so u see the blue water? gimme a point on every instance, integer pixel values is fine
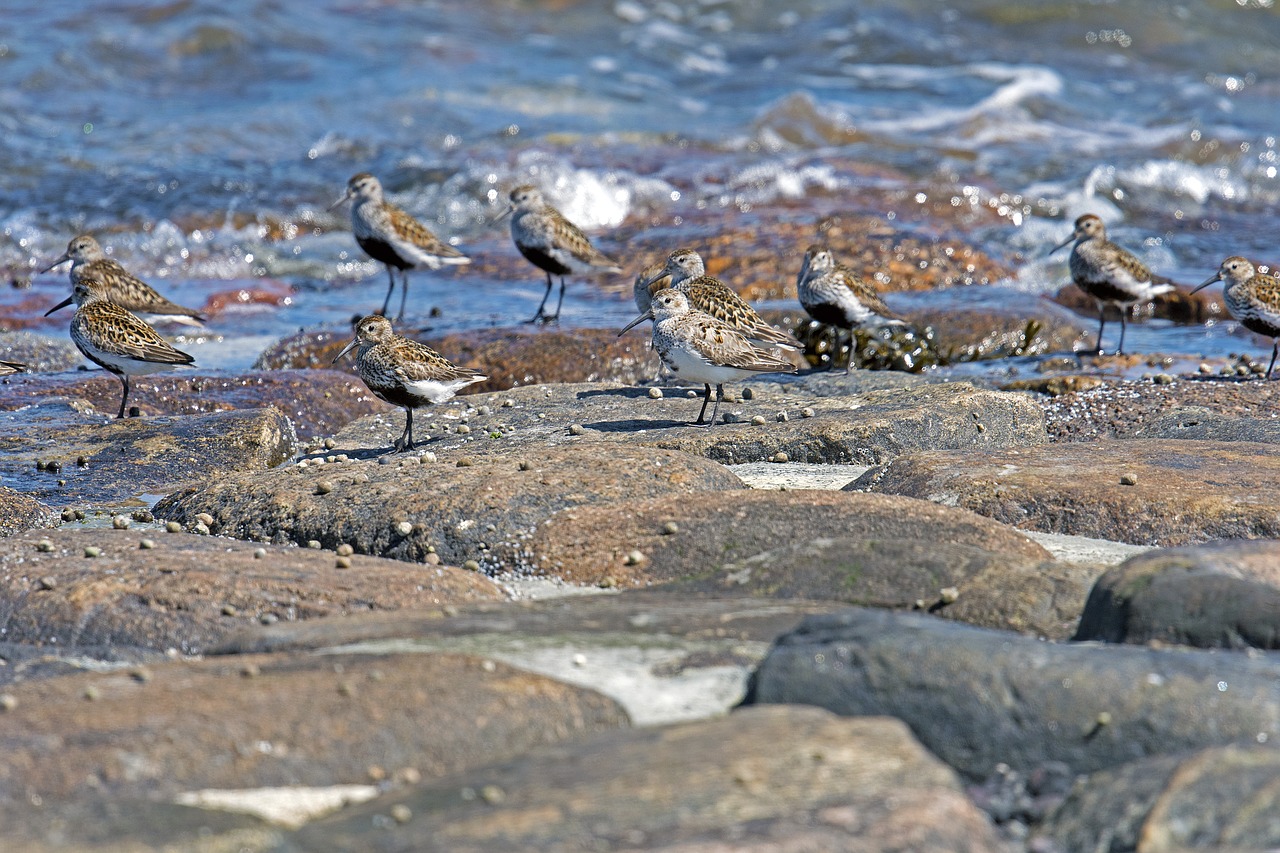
(204, 141)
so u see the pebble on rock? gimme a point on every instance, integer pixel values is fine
(344, 550)
(259, 553)
(44, 546)
(92, 551)
(172, 527)
(324, 487)
(8, 702)
(343, 563)
(576, 429)
(806, 412)
(471, 566)
(655, 393)
(404, 528)
(205, 519)
(146, 544)
(634, 558)
(120, 522)
(670, 528)
(758, 420)
(1128, 480)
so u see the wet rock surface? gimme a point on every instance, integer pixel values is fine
(1222, 595)
(60, 455)
(1143, 491)
(979, 698)
(318, 402)
(764, 778)
(413, 508)
(69, 589)
(814, 418)
(21, 512)
(40, 353)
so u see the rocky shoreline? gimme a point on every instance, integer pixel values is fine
(1029, 609)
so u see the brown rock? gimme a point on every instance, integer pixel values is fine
(259, 720)
(477, 512)
(1185, 491)
(794, 778)
(1219, 799)
(22, 512)
(1225, 594)
(110, 461)
(718, 532)
(318, 402)
(190, 591)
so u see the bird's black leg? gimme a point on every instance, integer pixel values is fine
(1124, 310)
(124, 377)
(405, 441)
(391, 277)
(404, 293)
(1102, 322)
(716, 409)
(1274, 349)
(705, 399)
(539, 315)
(555, 318)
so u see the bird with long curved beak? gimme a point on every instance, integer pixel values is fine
(403, 372)
(551, 243)
(698, 347)
(1108, 273)
(712, 296)
(1252, 298)
(393, 237)
(119, 285)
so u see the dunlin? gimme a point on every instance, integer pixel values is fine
(836, 296)
(711, 296)
(1108, 273)
(1252, 298)
(115, 339)
(404, 372)
(649, 280)
(551, 243)
(393, 237)
(697, 346)
(122, 287)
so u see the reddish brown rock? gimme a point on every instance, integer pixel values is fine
(189, 592)
(318, 402)
(1142, 491)
(789, 778)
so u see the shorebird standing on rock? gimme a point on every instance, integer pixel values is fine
(697, 346)
(1108, 273)
(388, 234)
(1252, 298)
(403, 372)
(835, 295)
(551, 243)
(115, 339)
(712, 296)
(121, 287)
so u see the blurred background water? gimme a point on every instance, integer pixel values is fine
(204, 141)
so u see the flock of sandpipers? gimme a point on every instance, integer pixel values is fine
(702, 330)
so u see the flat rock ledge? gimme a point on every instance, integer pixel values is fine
(413, 508)
(811, 419)
(1221, 595)
(873, 550)
(67, 590)
(1141, 491)
(979, 698)
(22, 512)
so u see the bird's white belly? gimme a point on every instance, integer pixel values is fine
(688, 364)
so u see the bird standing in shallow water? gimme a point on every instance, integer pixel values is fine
(1252, 298)
(115, 339)
(404, 372)
(835, 295)
(711, 296)
(551, 243)
(388, 234)
(122, 287)
(697, 346)
(1108, 273)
